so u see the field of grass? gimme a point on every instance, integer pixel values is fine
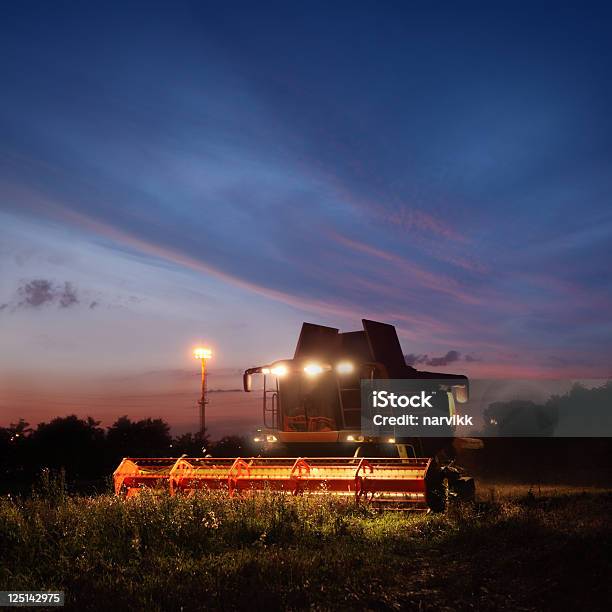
(531, 551)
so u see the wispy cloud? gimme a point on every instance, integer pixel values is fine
(415, 273)
(174, 255)
(444, 360)
(419, 221)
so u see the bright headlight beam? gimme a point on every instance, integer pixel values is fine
(279, 370)
(345, 367)
(312, 369)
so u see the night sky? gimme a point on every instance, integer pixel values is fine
(180, 173)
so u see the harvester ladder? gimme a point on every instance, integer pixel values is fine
(350, 406)
(350, 398)
(270, 407)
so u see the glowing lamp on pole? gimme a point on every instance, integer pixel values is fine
(203, 354)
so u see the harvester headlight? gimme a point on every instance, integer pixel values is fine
(271, 438)
(256, 439)
(265, 370)
(312, 369)
(391, 440)
(279, 370)
(345, 367)
(353, 438)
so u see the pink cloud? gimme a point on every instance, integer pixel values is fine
(425, 278)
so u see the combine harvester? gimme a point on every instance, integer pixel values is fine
(311, 440)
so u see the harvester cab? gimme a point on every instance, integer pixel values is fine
(312, 403)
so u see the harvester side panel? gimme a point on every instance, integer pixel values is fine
(386, 348)
(317, 342)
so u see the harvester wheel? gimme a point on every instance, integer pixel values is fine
(437, 493)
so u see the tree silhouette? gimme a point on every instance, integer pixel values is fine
(13, 440)
(145, 438)
(71, 443)
(584, 412)
(520, 418)
(193, 445)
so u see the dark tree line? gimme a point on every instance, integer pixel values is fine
(566, 439)
(87, 453)
(581, 412)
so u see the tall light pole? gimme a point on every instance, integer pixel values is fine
(203, 354)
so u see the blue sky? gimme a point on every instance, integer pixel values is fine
(222, 173)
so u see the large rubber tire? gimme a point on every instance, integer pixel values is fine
(436, 492)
